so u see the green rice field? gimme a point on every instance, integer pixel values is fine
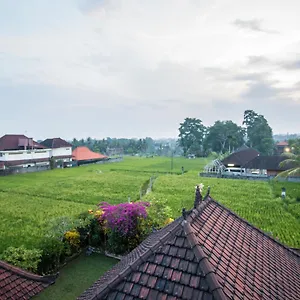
(29, 202)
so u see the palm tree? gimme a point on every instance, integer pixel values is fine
(292, 162)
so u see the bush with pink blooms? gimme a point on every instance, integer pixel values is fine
(124, 225)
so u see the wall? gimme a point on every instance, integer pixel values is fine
(61, 152)
(24, 154)
(12, 171)
(250, 177)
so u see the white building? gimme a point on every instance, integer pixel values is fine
(21, 151)
(60, 150)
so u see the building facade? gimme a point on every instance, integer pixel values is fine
(20, 151)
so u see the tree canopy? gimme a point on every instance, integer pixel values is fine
(224, 136)
(259, 133)
(191, 135)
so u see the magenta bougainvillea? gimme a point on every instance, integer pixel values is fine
(123, 218)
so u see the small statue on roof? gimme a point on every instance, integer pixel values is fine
(198, 195)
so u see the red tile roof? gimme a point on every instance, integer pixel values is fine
(282, 143)
(56, 143)
(16, 284)
(268, 163)
(240, 158)
(213, 254)
(12, 142)
(84, 153)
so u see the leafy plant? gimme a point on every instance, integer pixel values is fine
(53, 254)
(27, 259)
(159, 212)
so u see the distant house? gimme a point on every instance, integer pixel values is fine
(16, 283)
(18, 150)
(267, 165)
(61, 150)
(240, 157)
(282, 147)
(208, 253)
(83, 155)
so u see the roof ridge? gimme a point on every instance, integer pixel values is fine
(205, 265)
(251, 225)
(141, 258)
(46, 279)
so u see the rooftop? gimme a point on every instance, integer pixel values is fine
(56, 143)
(16, 284)
(208, 253)
(84, 153)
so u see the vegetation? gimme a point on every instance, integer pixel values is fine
(293, 165)
(196, 138)
(48, 212)
(259, 133)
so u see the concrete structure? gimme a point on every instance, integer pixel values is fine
(61, 150)
(20, 151)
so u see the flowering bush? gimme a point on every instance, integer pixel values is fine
(73, 238)
(159, 213)
(122, 224)
(123, 218)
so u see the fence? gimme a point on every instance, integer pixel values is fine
(12, 171)
(249, 177)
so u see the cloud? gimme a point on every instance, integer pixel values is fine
(258, 60)
(253, 25)
(131, 67)
(291, 65)
(88, 6)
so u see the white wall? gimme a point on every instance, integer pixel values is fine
(61, 152)
(24, 154)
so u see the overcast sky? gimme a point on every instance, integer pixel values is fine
(132, 68)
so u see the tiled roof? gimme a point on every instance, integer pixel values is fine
(17, 284)
(267, 163)
(11, 142)
(84, 153)
(240, 158)
(282, 143)
(56, 143)
(213, 254)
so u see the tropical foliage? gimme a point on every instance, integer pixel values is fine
(292, 163)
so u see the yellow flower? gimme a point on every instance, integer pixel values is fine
(168, 221)
(90, 211)
(98, 213)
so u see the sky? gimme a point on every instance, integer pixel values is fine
(132, 68)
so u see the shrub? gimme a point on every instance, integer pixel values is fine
(53, 254)
(73, 238)
(21, 257)
(123, 218)
(123, 225)
(159, 213)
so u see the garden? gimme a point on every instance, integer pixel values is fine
(49, 217)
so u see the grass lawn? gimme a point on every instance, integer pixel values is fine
(77, 276)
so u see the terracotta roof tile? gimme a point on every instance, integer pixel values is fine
(13, 142)
(18, 284)
(240, 158)
(213, 254)
(84, 153)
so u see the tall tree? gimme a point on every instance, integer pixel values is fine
(224, 136)
(259, 133)
(191, 135)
